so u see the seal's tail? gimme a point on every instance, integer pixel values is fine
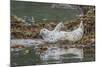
(81, 25)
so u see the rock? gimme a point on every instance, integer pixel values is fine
(16, 43)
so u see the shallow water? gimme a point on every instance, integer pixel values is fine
(53, 55)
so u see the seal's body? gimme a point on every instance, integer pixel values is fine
(56, 35)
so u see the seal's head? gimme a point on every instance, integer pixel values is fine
(44, 32)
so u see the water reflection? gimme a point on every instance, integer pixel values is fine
(57, 55)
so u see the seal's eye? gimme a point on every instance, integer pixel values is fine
(44, 30)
